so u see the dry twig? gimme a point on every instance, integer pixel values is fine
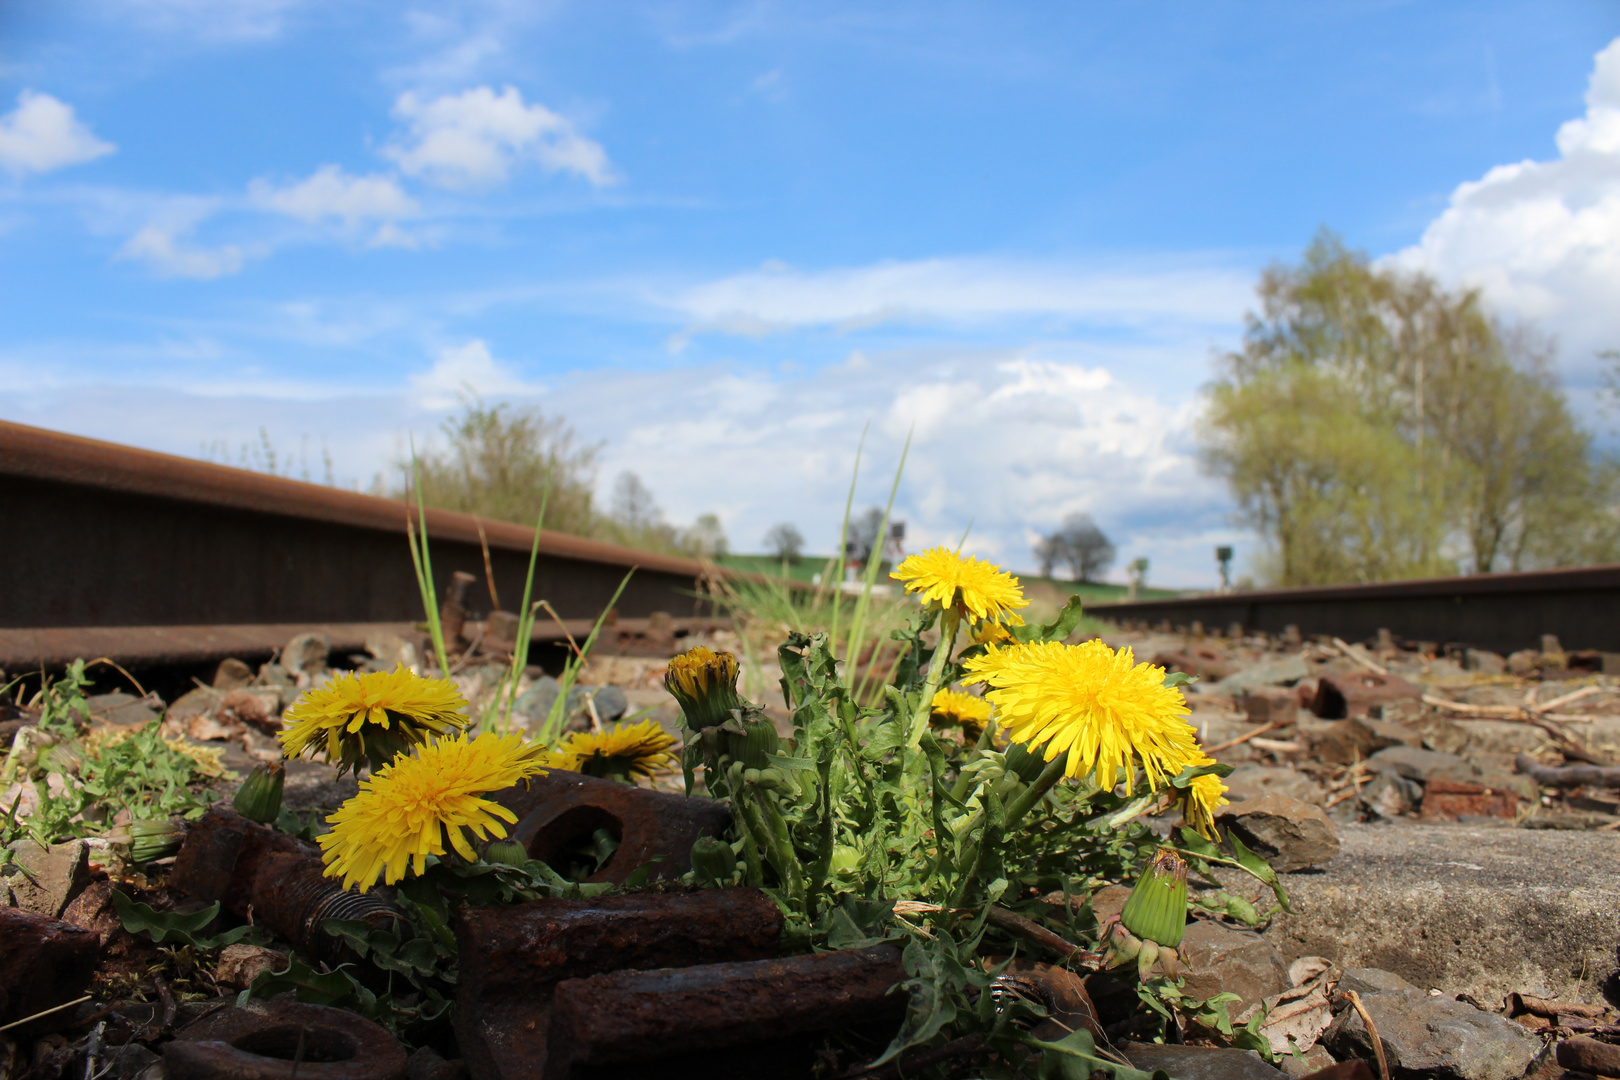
(1245, 737)
(1372, 1031)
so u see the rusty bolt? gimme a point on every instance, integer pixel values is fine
(645, 1015)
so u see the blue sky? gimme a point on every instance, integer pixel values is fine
(725, 238)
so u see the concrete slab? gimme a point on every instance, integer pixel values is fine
(1462, 909)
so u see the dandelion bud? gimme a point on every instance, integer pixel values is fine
(1025, 764)
(259, 797)
(1146, 957)
(845, 862)
(1156, 910)
(758, 741)
(506, 852)
(148, 840)
(713, 861)
(704, 682)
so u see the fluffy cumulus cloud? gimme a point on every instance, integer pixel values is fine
(332, 193)
(475, 138)
(953, 290)
(42, 134)
(466, 370)
(1542, 238)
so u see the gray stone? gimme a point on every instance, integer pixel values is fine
(1288, 834)
(45, 880)
(610, 702)
(1467, 909)
(232, 674)
(1313, 1060)
(1221, 959)
(1249, 782)
(1289, 669)
(389, 651)
(1348, 741)
(315, 785)
(198, 701)
(1201, 1062)
(119, 710)
(1389, 794)
(128, 1061)
(1485, 662)
(306, 653)
(1435, 1037)
(1415, 763)
(534, 704)
(1368, 980)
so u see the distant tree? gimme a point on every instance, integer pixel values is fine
(634, 518)
(785, 542)
(706, 538)
(497, 462)
(1080, 545)
(1376, 426)
(1046, 553)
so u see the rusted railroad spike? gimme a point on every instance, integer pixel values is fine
(560, 809)
(513, 956)
(245, 865)
(264, 1039)
(43, 963)
(640, 1020)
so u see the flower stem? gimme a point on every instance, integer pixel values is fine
(1032, 794)
(949, 620)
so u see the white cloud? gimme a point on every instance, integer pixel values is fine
(475, 138)
(332, 193)
(466, 369)
(208, 20)
(962, 290)
(42, 134)
(1542, 238)
(160, 248)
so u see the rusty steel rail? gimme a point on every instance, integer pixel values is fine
(1500, 612)
(152, 558)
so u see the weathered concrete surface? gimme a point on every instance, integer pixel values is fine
(1482, 911)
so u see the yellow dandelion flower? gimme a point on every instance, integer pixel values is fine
(406, 811)
(1097, 705)
(704, 682)
(978, 589)
(952, 708)
(373, 717)
(628, 751)
(1201, 798)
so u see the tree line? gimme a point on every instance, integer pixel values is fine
(1375, 425)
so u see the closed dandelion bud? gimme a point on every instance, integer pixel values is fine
(845, 862)
(1025, 765)
(259, 797)
(1157, 908)
(713, 861)
(704, 683)
(506, 852)
(149, 840)
(758, 741)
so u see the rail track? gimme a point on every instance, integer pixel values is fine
(152, 559)
(1499, 612)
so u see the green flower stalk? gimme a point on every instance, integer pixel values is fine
(259, 797)
(1157, 908)
(704, 682)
